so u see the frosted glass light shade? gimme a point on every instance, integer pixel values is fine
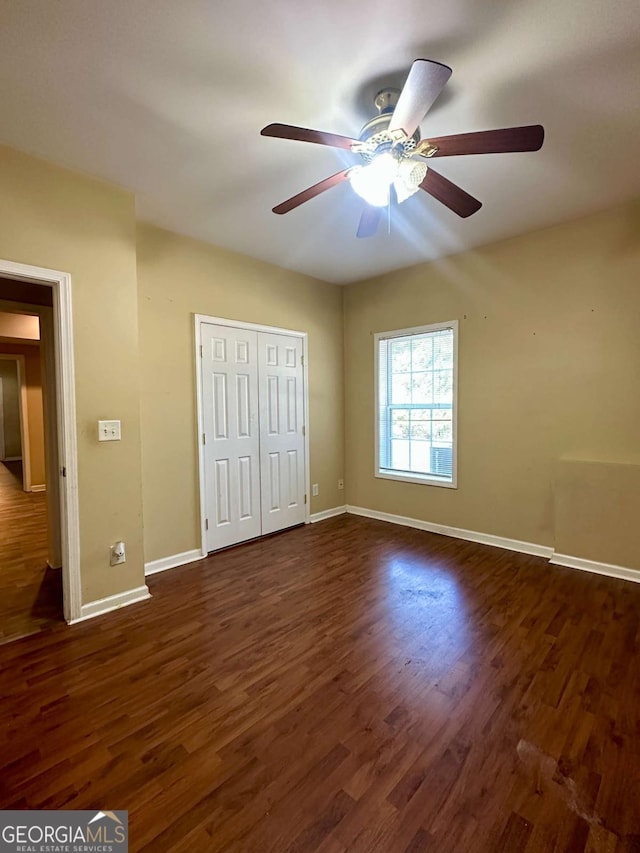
(410, 175)
(372, 182)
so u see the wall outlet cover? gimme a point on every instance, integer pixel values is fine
(118, 554)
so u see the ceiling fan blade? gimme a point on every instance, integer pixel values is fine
(423, 85)
(369, 221)
(529, 138)
(311, 192)
(451, 195)
(303, 134)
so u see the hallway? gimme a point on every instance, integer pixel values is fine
(30, 593)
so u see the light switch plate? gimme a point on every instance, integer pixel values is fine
(109, 431)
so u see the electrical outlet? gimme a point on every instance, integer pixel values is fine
(315, 490)
(341, 484)
(118, 554)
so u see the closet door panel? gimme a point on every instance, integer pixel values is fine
(231, 434)
(281, 430)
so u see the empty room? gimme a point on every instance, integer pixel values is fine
(330, 540)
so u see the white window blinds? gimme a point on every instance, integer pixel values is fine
(416, 378)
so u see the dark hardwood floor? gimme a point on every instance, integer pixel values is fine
(346, 686)
(30, 593)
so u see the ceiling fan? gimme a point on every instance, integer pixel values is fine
(393, 155)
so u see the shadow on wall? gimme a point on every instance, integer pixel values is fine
(10, 431)
(15, 469)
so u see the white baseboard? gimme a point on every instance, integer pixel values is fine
(620, 572)
(611, 571)
(327, 513)
(456, 532)
(12, 459)
(112, 602)
(41, 487)
(172, 562)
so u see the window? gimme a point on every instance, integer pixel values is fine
(416, 404)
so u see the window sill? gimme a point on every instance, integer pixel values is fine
(423, 479)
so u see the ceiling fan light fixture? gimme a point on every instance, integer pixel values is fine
(410, 175)
(372, 182)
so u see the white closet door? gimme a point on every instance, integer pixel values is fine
(281, 431)
(231, 434)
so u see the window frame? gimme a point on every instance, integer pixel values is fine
(412, 477)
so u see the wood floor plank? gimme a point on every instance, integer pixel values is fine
(346, 686)
(30, 593)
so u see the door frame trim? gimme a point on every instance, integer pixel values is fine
(60, 284)
(255, 327)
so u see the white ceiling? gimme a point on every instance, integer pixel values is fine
(168, 98)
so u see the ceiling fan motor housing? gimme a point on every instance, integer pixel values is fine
(375, 134)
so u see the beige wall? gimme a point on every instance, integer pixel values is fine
(549, 350)
(596, 512)
(55, 218)
(35, 417)
(178, 277)
(10, 407)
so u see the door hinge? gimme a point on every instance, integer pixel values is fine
(204, 438)
(201, 351)
(305, 498)
(301, 359)
(206, 524)
(63, 472)
(304, 429)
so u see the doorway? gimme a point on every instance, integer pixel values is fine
(253, 444)
(30, 580)
(39, 529)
